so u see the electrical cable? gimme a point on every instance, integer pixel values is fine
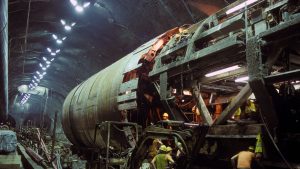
(275, 145)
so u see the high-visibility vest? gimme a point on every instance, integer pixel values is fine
(258, 145)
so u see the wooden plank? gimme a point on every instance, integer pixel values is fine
(11, 161)
(242, 96)
(126, 97)
(26, 159)
(127, 106)
(204, 113)
(128, 86)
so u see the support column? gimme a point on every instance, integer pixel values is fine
(256, 73)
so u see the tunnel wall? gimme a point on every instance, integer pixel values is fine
(4, 59)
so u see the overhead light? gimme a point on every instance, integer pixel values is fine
(74, 2)
(44, 68)
(38, 72)
(68, 28)
(47, 65)
(49, 50)
(58, 41)
(73, 24)
(52, 59)
(79, 8)
(48, 62)
(35, 77)
(54, 36)
(41, 65)
(222, 71)
(63, 22)
(44, 73)
(64, 38)
(86, 4)
(57, 51)
(242, 79)
(44, 59)
(240, 6)
(53, 54)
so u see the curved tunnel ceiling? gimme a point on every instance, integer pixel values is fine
(106, 31)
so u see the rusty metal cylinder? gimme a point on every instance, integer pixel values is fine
(92, 102)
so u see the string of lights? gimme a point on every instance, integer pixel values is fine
(51, 53)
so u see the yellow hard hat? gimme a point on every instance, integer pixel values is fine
(163, 148)
(165, 115)
(169, 149)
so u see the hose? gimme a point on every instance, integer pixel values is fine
(275, 145)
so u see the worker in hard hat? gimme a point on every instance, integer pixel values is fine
(244, 159)
(165, 116)
(250, 110)
(153, 149)
(162, 160)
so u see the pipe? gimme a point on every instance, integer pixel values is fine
(4, 60)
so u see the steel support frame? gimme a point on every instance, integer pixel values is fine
(242, 96)
(204, 113)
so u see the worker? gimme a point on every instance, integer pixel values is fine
(153, 149)
(161, 160)
(244, 159)
(165, 116)
(196, 112)
(258, 147)
(250, 110)
(237, 114)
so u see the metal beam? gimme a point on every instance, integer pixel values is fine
(280, 77)
(204, 113)
(256, 81)
(242, 96)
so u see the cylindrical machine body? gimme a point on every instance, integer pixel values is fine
(102, 97)
(92, 102)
